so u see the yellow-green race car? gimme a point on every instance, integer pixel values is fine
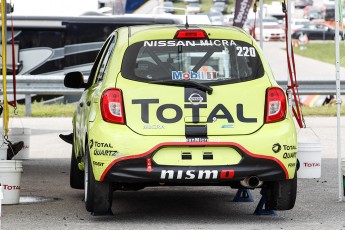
(168, 105)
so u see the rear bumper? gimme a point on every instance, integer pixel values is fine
(142, 169)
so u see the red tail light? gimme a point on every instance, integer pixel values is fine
(112, 106)
(191, 34)
(275, 105)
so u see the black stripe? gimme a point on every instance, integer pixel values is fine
(195, 133)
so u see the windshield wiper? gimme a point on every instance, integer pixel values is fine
(185, 83)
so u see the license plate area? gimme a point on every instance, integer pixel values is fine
(197, 156)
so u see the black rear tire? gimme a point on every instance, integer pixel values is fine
(281, 195)
(98, 195)
(76, 175)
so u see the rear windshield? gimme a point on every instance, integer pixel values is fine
(210, 62)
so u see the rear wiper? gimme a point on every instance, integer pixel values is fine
(185, 83)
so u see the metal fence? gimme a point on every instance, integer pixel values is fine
(30, 85)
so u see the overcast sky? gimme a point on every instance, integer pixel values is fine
(53, 7)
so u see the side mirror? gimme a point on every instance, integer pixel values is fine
(74, 80)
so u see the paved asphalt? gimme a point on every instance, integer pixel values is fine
(46, 176)
(306, 69)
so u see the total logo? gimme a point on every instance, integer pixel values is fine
(311, 165)
(99, 144)
(11, 187)
(276, 148)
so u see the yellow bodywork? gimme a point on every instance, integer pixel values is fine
(108, 142)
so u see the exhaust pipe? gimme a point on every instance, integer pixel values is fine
(251, 182)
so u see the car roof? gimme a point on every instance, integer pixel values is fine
(113, 19)
(166, 31)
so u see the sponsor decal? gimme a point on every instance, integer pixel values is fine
(228, 126)
(311, 165)
(289, 147)
(197, 139)
(11, 187)
(99, 151)
(196, 174)
(276, 148)
(153, 127)
(97, 163)
(200, 75)
(190, 43)
(290, 155)
(99, 144)
(291, 165)
(105, 152)
(217, 113)
(195, 98)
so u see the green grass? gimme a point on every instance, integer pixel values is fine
(327, 110)
(322, 51)
(44, 110)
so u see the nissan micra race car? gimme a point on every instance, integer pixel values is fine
(169, 105)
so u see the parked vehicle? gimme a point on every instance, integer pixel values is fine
(303, 3)
(312, 13)
(270, 33)
(219, 6)
(317, 32)
(226, 1)
(56, 45)
(169, 105)
(190, 1)
(298, 23)
(169, 7)
(216, 18)
(272, 30)
(193, 8)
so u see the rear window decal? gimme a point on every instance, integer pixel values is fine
(170, 43)
(200, 75)
(245, 51)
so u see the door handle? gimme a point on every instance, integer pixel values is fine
(88, 103)
(81, 104)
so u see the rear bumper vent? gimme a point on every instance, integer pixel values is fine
(186, 156)
(207, 156)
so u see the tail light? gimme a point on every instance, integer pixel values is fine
(112, 106)
(275, 105)
(191, 34)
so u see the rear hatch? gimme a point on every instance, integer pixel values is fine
(194, 88)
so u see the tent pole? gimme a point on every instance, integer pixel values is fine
(261, 13)
(3, 50)
(338, 99)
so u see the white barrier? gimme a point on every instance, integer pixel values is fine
(10, 177)
(309, 156)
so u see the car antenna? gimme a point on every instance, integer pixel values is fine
(186, 25)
